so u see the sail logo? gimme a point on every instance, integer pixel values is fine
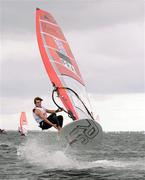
(60, 46)
(66, 62)
(45, 17)
(64, 57)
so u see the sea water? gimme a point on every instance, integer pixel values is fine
(39, 156)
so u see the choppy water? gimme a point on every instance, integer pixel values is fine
(120, 156)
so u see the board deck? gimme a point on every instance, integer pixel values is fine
(85, 133)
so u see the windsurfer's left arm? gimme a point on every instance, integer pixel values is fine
(53, 111)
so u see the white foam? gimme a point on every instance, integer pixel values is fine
(44, 155)
(118, 164)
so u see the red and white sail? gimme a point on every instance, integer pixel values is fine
(59, 62)
(23, 127)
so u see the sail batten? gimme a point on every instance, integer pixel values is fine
(53, 24)
(54, 37)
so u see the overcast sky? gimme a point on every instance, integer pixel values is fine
(107, 40)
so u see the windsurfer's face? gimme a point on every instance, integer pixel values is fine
(38, 103)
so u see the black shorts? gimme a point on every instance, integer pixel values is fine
(58, 120)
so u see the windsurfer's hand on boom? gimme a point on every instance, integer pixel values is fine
(59, 110)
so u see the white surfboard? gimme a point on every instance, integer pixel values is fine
(85, 133)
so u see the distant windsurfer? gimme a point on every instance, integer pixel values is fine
(2, 131)
(40, 115)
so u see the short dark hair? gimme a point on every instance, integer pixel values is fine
(36, 99)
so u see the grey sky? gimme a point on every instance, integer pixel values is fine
(76, 15)
(106, 37)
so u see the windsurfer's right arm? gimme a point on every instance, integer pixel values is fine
(39, 113)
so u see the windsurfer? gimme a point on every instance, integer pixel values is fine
(40, 115)
(2, 131)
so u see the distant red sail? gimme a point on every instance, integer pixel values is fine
(23, 123)
(57, 57)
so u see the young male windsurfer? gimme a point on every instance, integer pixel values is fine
(40, 115)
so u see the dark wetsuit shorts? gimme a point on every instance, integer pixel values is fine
(58, 120)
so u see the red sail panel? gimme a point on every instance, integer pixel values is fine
(56, 55)
(23, 122)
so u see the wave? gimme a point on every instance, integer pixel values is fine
(51, 156)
